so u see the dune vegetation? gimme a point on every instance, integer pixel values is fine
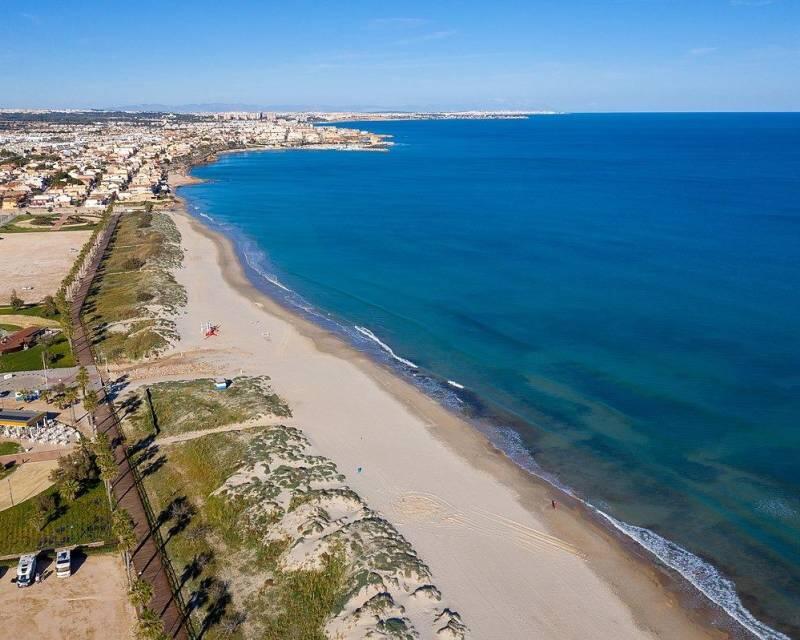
(265, 538)
(130, 305)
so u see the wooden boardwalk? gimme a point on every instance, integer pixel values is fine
(147, 558)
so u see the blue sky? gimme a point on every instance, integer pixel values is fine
(571, 55)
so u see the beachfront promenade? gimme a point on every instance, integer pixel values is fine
(146, 557)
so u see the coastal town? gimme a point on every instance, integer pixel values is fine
(73, 163)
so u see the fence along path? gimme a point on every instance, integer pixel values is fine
(146, 558)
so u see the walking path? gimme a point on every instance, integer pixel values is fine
(146, 558)
(236, 426)
(61, 220)
(34, 456)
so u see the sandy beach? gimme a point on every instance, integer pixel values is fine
(512, 565)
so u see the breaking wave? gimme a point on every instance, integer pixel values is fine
(702, 575)
(366, 332)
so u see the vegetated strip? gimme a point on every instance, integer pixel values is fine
(146, 558)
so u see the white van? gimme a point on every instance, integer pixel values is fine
(26, 570)
(63, 563)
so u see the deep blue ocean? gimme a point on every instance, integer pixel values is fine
(620, 294)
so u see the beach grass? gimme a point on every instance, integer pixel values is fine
(128, 307)
(195, 405)
(31, 359)
(185, 476)
(305, 600)
(293, 604)
(86, 520)
(222, 565)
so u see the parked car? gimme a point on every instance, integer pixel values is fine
(63, 563)
(26, 570)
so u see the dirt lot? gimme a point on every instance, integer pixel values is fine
(27, 481)
(38, 260)
(92, 603)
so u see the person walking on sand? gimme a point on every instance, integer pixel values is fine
(553, 502)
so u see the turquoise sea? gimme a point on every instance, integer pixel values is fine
(619, 296)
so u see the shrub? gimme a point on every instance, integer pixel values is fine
(133, 264)
(49, 308)
(15, 301)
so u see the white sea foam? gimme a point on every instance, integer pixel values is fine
(366, 332)
(700, 573)
(253, 263)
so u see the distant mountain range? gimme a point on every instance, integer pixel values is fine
(216, 107)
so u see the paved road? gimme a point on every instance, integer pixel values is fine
(146, 557)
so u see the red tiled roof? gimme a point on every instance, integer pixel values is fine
(18, 340)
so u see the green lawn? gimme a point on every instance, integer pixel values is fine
(9, 327)
(87, 519)
(31, 360)
(7, 471)
(7, 447)
(50, 219)
(36, 310)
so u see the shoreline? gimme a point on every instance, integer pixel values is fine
(627, 568)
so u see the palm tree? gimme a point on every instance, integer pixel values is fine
(70, 398)
(140, 594)
(69, 489)
(150, 626)
(82, 378)
(90, 403)
(122, 528)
